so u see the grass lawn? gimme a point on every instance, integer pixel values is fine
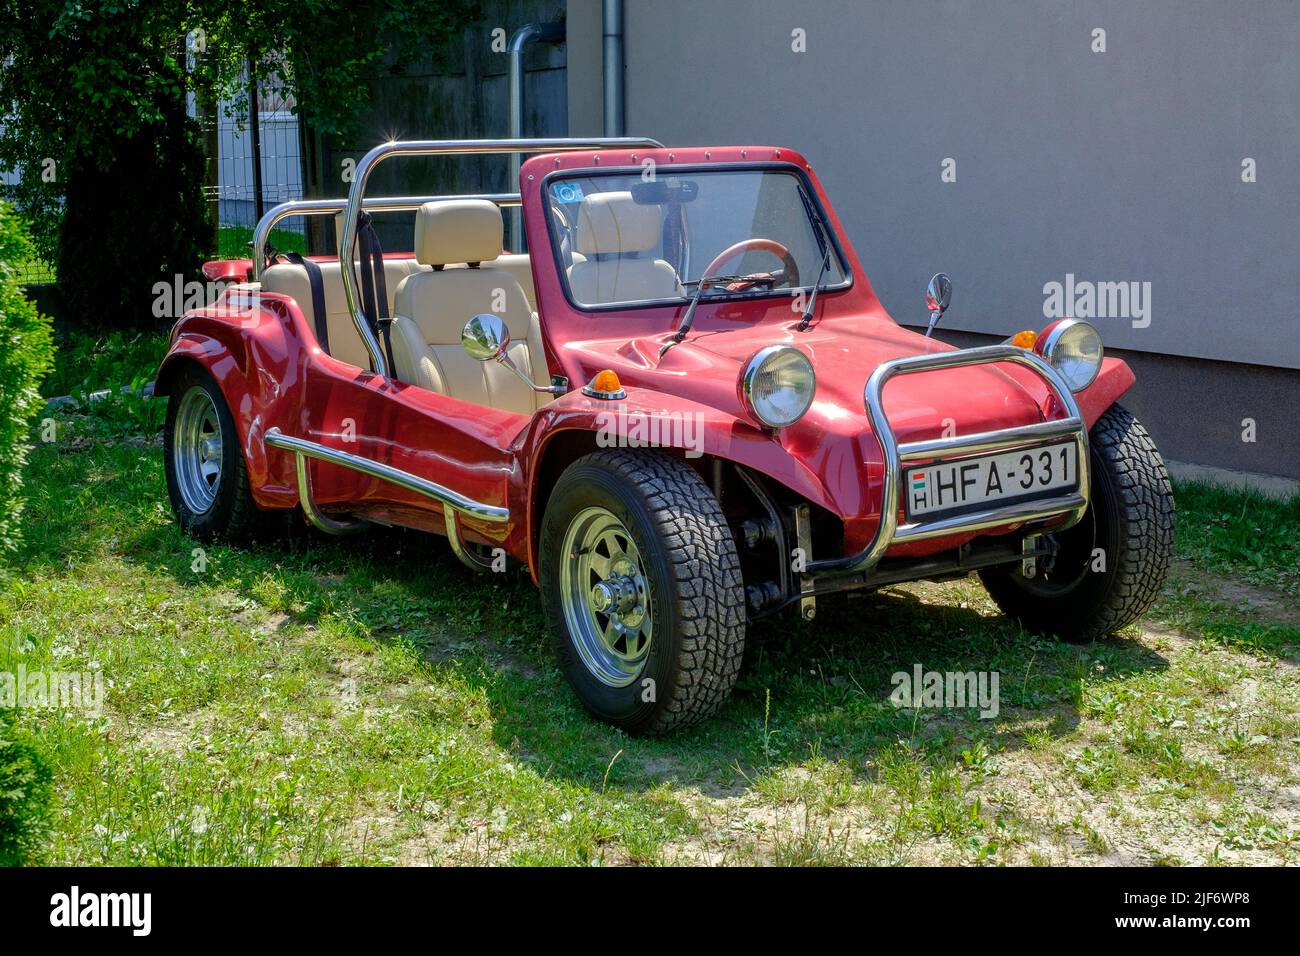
(233, 241)
(317, 702)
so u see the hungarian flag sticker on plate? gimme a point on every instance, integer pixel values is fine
(1013, 476)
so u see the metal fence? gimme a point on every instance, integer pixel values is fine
(29, 271)
(240, 145)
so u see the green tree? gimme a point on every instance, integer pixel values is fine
(322, 52)
(94, 94)
(94, 99)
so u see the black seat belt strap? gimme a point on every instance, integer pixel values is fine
(374, 288)
(317, 285)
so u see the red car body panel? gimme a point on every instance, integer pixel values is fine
(264, 354)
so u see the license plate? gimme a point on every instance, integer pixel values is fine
(972, 484)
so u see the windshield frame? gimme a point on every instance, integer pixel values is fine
(713, 295)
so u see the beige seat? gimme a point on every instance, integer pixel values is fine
(615, 234)
(345, 342)
(431, 308)
(519, 266)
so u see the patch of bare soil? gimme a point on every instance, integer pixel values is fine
(1261, 602)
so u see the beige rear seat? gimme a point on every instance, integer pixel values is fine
(345, 342)
(519, 266)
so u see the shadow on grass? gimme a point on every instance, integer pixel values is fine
(807, 691)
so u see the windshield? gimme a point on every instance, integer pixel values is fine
(636, 239)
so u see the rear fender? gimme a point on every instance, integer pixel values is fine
(250, 347)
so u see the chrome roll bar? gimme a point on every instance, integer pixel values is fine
(889, 532)
(323, 207)
(442, 147)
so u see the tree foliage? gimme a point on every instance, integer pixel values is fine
(93, 101)
(81, 77)
(322, 52)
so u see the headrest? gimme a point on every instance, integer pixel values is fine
(611, 223)
(458, 230)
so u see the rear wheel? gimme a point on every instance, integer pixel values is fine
(207, 480)
(642, 586)
(1109, 567)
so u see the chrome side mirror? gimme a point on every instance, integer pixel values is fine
(937, 296)
(485, 337)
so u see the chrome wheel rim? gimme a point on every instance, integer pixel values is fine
(606, 597)
(197, 450)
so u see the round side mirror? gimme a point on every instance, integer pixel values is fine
(485, 337)
(938, 293)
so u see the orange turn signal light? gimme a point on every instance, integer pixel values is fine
(605, 385)
(1025, 339)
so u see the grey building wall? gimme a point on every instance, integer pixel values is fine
(1115, 166)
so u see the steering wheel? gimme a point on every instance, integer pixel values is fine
(789, 272)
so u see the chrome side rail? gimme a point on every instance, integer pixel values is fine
(328, 524)
(453, 503)
(889, 532)
(324, 207)
(443, 147)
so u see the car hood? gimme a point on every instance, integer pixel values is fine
(705, 369)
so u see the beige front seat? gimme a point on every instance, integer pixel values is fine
(615, 233)
(431, 309)
(520, 266)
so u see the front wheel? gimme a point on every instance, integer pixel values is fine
(642, 586)
(1109, 567)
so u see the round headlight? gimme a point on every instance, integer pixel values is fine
(1073, 348)
(777, 385)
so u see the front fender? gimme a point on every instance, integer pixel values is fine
(1114, 378)
(651, 419)
(647, 418)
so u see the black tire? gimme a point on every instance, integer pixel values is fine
(695, 592)
(231, 515)
(1131, 520)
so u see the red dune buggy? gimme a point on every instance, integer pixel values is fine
(683, 409)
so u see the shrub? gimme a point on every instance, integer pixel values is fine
(26, 353)
(25, 792)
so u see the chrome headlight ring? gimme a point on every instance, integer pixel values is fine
(777, 385)
(1072, 347)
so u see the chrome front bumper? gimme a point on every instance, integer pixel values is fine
(896, 457)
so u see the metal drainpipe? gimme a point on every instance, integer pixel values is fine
(613, 48)
(529, 33)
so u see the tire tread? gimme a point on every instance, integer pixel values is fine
(707, 583)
